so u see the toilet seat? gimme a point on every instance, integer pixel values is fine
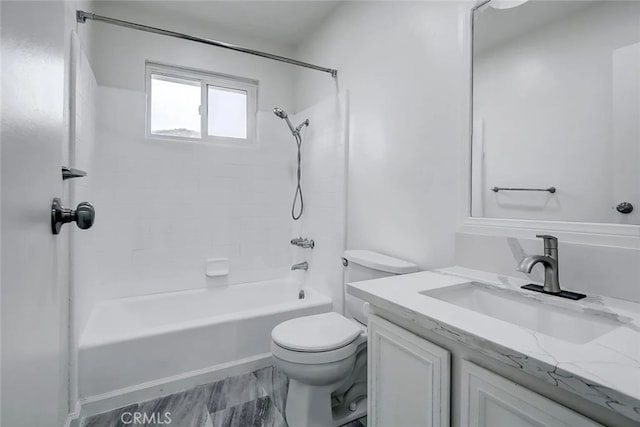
(317, 333)
(316, 358)
(318, 339)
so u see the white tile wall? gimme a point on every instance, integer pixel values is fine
(163, 207)
(82, 146)
(324, 162)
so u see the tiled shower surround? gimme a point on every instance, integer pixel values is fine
(255, 399)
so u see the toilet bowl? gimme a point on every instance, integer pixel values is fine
(318, 354)
(324, 355)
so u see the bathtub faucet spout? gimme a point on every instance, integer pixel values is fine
(300, 266)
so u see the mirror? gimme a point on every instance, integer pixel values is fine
(556, 111)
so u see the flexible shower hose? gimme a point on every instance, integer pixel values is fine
(298, 193)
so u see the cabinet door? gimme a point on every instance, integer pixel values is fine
(489, 400)
(408, 378)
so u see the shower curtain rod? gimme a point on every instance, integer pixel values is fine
(82, 17)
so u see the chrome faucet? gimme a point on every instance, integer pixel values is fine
(550, 262)
(300, 266)
(303, 243)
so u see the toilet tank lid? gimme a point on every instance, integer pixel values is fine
(378, 261)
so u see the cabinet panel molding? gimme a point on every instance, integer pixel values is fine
(409, 378)
(489, 400)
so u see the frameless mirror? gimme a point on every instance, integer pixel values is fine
(556, 111)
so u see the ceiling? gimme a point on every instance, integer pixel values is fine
(495, 26)
(283, 22)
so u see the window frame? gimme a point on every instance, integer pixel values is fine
(206, 79)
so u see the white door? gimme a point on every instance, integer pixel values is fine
(409, 378)
(34, 294)
(489, 400)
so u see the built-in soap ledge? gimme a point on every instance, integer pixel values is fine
(217, 267)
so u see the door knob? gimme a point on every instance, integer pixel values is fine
(625, 208)
(83, 215)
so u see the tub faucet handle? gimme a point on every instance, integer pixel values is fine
(300, 266)
(303, 243)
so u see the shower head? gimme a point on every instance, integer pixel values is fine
(280, 113)
(283, 115)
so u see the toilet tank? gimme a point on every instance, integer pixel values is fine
(366, 265)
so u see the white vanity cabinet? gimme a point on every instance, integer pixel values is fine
(408, 378)
(410, 384)
(489, 400)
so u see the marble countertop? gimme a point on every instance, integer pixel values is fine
(605, 370)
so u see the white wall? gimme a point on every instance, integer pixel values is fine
(404, 66)
(118, 54)
(164, 207)
(546, 102)
(590, 269)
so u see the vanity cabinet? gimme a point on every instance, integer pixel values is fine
(489, 400)
(408, 378)
(411, 384)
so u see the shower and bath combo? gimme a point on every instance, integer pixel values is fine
(296, 134)
(82, 17)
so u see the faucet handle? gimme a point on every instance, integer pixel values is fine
(550, 242)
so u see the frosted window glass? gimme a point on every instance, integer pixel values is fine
(175, 107)
(227, 110)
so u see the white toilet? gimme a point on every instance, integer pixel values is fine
(325, 355)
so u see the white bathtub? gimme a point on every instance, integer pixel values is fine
(132, 341)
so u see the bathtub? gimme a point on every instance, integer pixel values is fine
(130, 342)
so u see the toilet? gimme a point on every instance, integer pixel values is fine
(325, 355)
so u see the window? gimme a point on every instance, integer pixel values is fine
(195, 105)
(175, 107)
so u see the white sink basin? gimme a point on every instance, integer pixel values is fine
(557, 320)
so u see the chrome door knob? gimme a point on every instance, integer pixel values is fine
(84, 215)
(624, 208)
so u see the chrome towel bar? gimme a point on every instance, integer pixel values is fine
(550, 189)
